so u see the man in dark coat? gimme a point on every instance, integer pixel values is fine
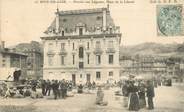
(43, 86)
(55, 87)
(150, 94)
(63, 88)
(48, 87)
(80, 88)
(17, 75)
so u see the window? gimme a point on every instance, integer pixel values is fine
(4, 65)
(111, 74)
(110, 44)
(80, 75)
(98, 18)
(63, 33)
(110, 59)
(80, 31)
(73, 46)
(98, 75)
(73, 59)
(98, 59)
(62, 46)
(81, 65)
(88, 58)
(64, 20)
(110, 30)
(62, 60)
(4, 56)
(50, 47)
(50, 61)
(98, 44)
(66, 30)
(81, 52)
(88, 45)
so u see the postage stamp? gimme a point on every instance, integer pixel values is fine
(170, 20)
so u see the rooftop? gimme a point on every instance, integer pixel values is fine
(12, 52)
(82, 11)
(90, 19)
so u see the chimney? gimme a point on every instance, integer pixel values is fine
(57, 20)
(104, 19)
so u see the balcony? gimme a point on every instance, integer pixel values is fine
(88, 51)
(50, 53)
(110, 50)
(63, 52)
(98, 51)
(74, 51)
(93, 31)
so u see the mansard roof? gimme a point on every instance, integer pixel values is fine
(90, 18)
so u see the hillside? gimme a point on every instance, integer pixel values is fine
(153, 49)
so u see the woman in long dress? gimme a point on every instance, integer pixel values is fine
(100, 97)
(133, 97)
(141, 93)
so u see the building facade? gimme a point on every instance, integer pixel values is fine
(9, 59)
(34, 61)
(143, 64)
(81, 46)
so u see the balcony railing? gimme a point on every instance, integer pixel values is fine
(110, 50)
(50, 53)
(98, 51)
(63, 52)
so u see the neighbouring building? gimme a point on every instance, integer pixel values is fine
(34, 61)
(82, 45)
(182, 69)
(9, 58)
(143, 64)
(1, 48)
(161, 66)
(137, 64)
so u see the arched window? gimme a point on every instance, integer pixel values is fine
(81, 52)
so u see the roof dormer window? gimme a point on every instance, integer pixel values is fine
(80, 31)
(63, 33)
(98, 18)
(64, 20)
(81, 27)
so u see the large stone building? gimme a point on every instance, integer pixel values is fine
(82, 45)
(34, 61)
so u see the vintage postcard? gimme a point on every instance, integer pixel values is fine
(91, 55)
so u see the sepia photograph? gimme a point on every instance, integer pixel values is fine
(91, 56)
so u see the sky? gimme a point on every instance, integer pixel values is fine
(26, 20)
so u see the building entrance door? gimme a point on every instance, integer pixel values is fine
(74, 78)
(88, 77)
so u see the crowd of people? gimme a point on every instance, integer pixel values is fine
(135, 93)
(56, 88)
(59, 88)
